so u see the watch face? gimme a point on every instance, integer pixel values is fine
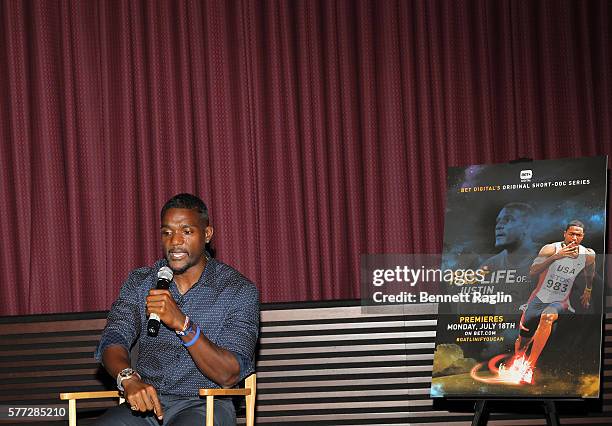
(126, 373)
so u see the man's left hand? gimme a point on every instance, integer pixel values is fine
(162, 303)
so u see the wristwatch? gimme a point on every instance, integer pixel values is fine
(125, 374)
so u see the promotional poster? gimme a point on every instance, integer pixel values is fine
(529, 318)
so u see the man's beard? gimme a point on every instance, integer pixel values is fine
(183, 269)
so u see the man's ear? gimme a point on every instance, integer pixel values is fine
(208, 232)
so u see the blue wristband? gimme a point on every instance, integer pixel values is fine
(195, 338)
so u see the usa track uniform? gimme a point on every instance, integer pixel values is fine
(554, 287)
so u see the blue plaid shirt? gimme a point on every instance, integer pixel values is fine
(223, 303)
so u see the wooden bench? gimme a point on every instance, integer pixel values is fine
(318, 363)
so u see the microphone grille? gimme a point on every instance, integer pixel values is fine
(165, 273)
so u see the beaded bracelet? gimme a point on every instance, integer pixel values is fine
(187, 328)
(195, 338)
(186, 323)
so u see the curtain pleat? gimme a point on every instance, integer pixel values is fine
(316, 131)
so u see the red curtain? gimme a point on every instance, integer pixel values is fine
(315, 130)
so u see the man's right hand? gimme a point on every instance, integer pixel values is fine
(142, 396)
(568, 250)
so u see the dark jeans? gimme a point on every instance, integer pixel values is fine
(177, 411)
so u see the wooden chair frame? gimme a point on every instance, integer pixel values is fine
(249, 391)
(250, 385)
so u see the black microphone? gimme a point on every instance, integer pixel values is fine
(164, 277)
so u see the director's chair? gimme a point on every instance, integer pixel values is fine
(249, 390)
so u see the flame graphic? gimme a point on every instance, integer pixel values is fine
(519, 371)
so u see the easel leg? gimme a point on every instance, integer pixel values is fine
(550, 411)
(481, 413)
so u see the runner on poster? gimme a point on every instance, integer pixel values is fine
(533, 325)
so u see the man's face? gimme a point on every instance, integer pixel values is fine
(184, 236)
(573, 234)
(510, 227)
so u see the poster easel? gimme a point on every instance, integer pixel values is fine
(482, 409)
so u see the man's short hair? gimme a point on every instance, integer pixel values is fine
(575, 222)
(186, 201)
(524, 208)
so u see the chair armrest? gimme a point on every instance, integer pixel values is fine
(73, 396)
(224, 392)
(248, 392)
(89, 395)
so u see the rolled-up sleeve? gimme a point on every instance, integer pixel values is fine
(241, 328)
(123, 324)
